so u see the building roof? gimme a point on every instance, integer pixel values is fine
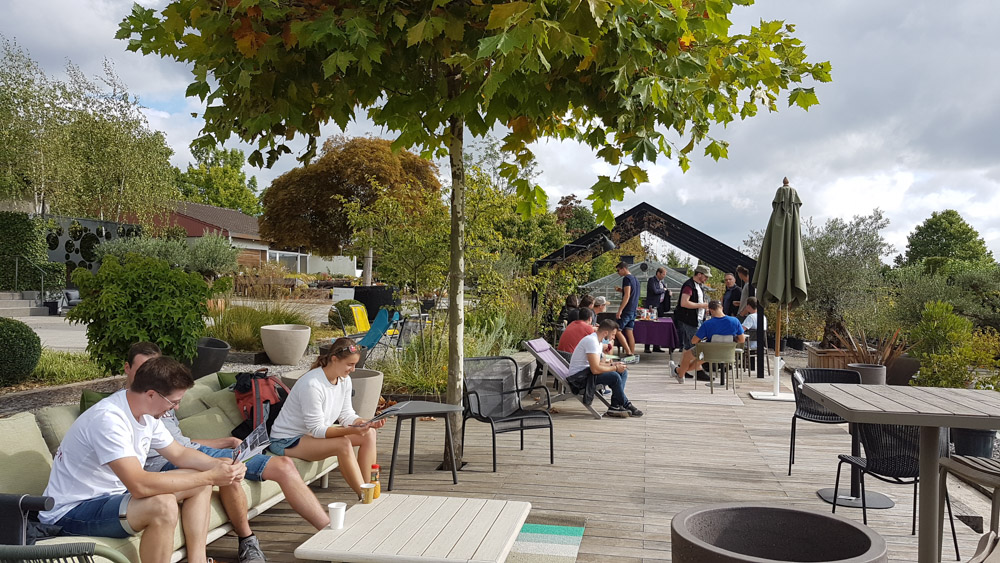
(237, 223)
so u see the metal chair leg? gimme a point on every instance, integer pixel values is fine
(836, 487)
(791, 448)
(864, 505)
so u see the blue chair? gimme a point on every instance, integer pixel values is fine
(378, 329)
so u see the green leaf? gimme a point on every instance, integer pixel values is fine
(803, 97)
(488, 45)
(717, 150)
(501, 14)
(338, 62)
(416, 33)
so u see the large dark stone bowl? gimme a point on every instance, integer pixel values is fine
(737, 532)
(212, 354)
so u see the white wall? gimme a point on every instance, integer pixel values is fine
(344, 265)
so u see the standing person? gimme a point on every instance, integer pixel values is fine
(691, 306)
(656, 292)
(629, 306)
(718, 325)
(746, 293)
(318, 420)
(259, 468)
(586, 360)
(730, 299)
(98, 481)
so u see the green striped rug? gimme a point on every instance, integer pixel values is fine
(546, 543)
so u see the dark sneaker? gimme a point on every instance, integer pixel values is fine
(633, 411)
(658, 349)
(703, 375)
(647, 350)
(618, 412)
(250, 551)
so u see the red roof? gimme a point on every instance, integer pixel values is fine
(237, 223)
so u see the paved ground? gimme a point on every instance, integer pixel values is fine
(58, 333)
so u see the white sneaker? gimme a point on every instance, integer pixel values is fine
(673, 372)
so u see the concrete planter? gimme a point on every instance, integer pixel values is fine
(285, 344)
(871, 374)
(367, 385)
(736, 532)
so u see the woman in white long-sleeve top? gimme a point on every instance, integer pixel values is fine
(318, 420)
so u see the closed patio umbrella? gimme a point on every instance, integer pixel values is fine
(781, 275)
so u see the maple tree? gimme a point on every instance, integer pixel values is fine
(632, 79)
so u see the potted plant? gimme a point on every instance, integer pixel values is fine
(871, 357)
(953, 354)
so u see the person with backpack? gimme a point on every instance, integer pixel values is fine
(258, 468)
(318, 420)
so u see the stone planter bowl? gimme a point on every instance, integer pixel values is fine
(871, 374)
(737, 532)
(367, 386)
(285, 344)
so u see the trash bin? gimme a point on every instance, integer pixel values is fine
(738, 532)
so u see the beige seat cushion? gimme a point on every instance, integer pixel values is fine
(225, 400)
(54, 422)
(24, 456)
(193, 402)
(209, 424)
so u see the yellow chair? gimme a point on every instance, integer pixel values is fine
(360, 314)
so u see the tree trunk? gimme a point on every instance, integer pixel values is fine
(366, 268)
(456, 279)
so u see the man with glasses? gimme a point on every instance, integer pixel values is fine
(98, 481)
(259, 468)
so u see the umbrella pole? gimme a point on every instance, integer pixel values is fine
(777, 356)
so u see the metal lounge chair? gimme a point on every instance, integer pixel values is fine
(13, 535)
(553, 363)
(808, 409)
(378, 329)
(492, 396)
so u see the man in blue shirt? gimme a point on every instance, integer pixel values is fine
(630, 303)
(717, 325)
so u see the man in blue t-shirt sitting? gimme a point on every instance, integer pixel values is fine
(718, 325)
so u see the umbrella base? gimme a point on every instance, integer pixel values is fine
(769, 396)
(872, 500)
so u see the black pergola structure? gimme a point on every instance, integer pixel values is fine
(646, 218)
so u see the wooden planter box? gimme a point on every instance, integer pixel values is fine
(821, 358)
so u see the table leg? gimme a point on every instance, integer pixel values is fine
(873, 500)
(395, 448)
(451, 448)
(928, 550)
(413, 435)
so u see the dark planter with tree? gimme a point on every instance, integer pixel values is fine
(976, 443)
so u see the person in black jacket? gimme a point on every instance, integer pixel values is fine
(656, 293)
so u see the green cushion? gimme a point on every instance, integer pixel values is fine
(226, 378)
(54, 422)
(192, 403)
(23, 455)
(211, 381)
(209, 424)
(225, 400)
(89, 398)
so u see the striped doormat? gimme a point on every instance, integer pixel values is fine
(546, 543)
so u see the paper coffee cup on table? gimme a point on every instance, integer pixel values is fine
(369, 493)
(337, 510)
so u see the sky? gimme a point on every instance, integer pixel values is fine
(909, 124)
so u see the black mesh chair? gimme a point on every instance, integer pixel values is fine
(892, 454)
(14, 510)
(808, 409)
(493, 396)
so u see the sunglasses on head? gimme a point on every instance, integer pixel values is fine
(351, 348)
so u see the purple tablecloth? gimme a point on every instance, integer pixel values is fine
(660, 332)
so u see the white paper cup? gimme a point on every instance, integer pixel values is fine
(337, 510)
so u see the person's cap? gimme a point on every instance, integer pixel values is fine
(600, 300)
(703, 269)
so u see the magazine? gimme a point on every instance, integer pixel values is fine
(255, 443)
(390, 411)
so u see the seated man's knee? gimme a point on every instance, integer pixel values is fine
(160, 509)
(281, 469)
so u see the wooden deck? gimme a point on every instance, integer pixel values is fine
(628, 477)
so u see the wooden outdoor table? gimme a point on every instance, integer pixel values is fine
(930, 408)
(421, 528)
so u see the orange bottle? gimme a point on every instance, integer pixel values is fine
(378, 486)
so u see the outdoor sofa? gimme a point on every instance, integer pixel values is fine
(28, 441)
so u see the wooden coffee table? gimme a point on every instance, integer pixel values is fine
(420, 528)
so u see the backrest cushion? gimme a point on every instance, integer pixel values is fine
(209, 424)
(54, 423)
(192, 403)
(225, 400)
(24, 455)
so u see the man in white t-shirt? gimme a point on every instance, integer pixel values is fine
(750, 323)
(280, 469)
(586, 360)
(98, 481)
